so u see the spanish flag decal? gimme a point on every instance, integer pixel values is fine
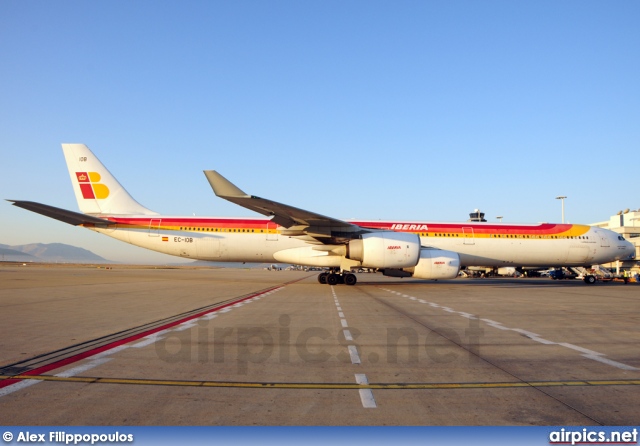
(165, 239)
(90, 185)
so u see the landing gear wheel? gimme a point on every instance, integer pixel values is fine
(322, 278)
(590, 279)
(350, 279)
(332, 279)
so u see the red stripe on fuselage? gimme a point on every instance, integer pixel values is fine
(195, 222)
(459, 228)
(426, 227)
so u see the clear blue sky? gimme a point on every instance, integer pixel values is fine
(360, 109)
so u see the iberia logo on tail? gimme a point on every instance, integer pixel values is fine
(90, 186)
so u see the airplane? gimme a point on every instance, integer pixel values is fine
(286, 234)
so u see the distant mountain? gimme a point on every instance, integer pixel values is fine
(49, 252)
(12, 252)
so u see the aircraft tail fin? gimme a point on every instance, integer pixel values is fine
(97, 191)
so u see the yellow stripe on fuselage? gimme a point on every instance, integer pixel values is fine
(435, 230)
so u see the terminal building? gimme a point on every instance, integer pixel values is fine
(627, 224)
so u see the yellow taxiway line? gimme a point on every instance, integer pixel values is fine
(325, 386)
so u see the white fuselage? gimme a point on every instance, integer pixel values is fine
(478, 244)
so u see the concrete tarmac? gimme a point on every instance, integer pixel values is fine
(85, 345)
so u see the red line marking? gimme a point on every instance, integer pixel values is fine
(95, 351)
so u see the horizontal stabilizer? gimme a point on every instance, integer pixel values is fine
(73, 218)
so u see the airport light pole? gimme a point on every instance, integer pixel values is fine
(634, 225)
(500, 218)
(561, 197)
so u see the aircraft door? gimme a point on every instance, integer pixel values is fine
(154, 227)
(468, 236)
(209, 248)
(272, 235)
(578, 254)
(604, 240)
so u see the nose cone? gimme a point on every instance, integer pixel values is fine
(630, 250)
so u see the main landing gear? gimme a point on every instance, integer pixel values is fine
(334, 278)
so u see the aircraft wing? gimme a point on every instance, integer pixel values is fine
(73, 218)
(299, 223)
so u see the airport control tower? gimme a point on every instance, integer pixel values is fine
(476, 215)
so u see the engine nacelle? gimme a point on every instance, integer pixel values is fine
(436, 264)
(307, 256)
(386, 250)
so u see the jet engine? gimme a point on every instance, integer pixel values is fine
(385, 250)
(436, 264)
(380, 250)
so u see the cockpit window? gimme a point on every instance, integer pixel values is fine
(620, 237)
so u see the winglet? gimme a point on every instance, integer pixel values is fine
(223, 187)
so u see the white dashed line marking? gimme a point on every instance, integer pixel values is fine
(353, 352)
(366, 395)
(586, 353)
(111, 351)
(185, 325)
(610, 362)
(148, 341)
(580, 349)
(83, 368)
(18, 386)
